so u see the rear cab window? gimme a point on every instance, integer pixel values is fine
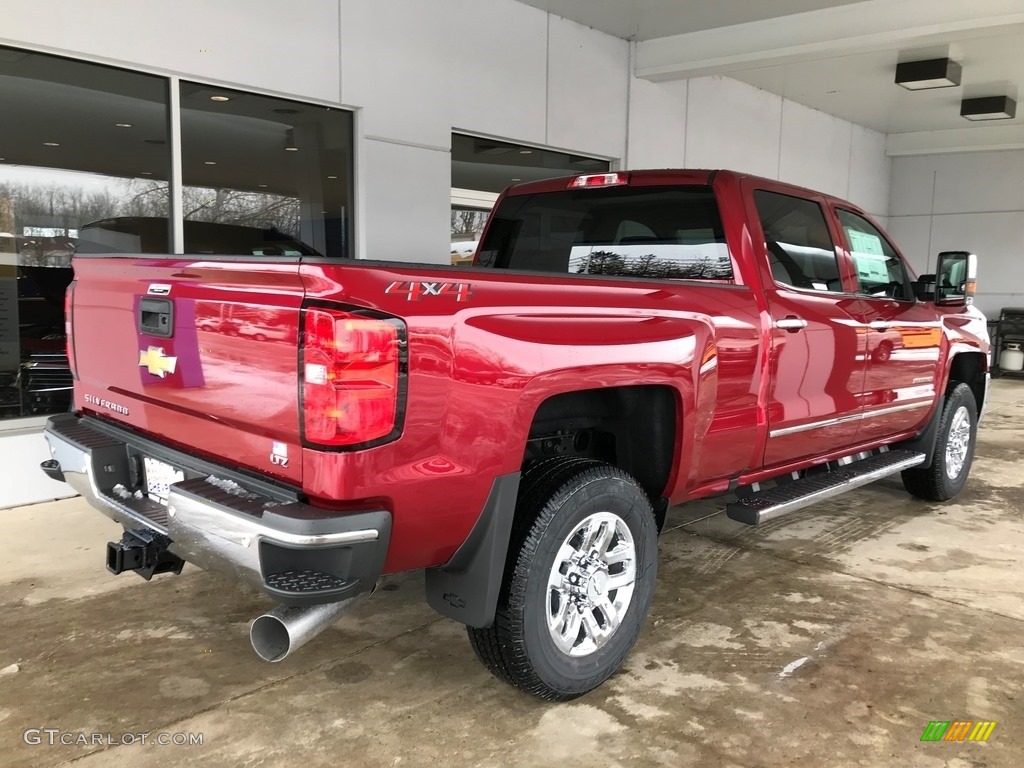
(655, 232)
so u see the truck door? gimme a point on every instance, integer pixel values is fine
(816, 370)
(902, 336)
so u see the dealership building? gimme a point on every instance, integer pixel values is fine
(385, 130)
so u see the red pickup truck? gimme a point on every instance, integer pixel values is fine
(623, 342)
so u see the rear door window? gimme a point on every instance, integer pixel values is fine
(800, 250)
(648, 232)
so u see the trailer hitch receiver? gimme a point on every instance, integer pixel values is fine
(144, 552)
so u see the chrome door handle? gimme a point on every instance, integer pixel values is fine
(878, 325)
(791, 324)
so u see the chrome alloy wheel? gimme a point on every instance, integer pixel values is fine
(591, 584)
(959, 442)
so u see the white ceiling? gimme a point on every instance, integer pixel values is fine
(838, 56)
(860, 88)
(648, 19)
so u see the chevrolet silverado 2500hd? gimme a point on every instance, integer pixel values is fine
(623, 342)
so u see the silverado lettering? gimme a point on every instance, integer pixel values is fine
(101, 403)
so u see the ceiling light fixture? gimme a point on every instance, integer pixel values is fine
(264, 186)
(122, 125)
(209, 162)
(332, 177)
(146, 173)
(525, 151)
(933, 73)
(50, 144)
(516, 179)
(989, 108)
(220, 98)
(289, 141)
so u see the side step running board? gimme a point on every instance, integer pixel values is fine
(774, 502)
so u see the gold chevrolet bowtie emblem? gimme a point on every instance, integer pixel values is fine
(156, 362)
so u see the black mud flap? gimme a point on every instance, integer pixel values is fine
(926, 440)
(466, 587)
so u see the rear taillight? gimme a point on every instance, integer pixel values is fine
(351, 371)
(69, 337)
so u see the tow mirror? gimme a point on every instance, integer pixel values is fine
(955, 279)
(924, 288)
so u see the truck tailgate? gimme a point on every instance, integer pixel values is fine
(198, 354)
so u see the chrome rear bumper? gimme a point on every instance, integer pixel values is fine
(221, 520)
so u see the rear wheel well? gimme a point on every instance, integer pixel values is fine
(969, 368)
(630, 427)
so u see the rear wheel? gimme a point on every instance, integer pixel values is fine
(578, 582)
(946, 476)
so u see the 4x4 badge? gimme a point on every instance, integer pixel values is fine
(156, 362)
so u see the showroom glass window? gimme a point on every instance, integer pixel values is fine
(79, 143)
(264, 176)
(482, 167)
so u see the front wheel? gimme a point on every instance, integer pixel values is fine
(578, 583)
(945, 477)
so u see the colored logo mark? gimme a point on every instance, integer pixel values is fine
(958, 730)
(156, 362)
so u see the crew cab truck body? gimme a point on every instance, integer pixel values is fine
(624, 342)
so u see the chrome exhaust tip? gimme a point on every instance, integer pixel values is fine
(276, 634)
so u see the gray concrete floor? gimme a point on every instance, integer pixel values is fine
(830, 638)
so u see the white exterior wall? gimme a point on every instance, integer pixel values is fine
(414, 72)
(717, 122)
(21, 480)
(417, 71)
(972, 202)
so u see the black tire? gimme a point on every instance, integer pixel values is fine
(933, 482)
(556, 497)
(534, 491)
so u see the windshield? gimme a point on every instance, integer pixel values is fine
(656, 232)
